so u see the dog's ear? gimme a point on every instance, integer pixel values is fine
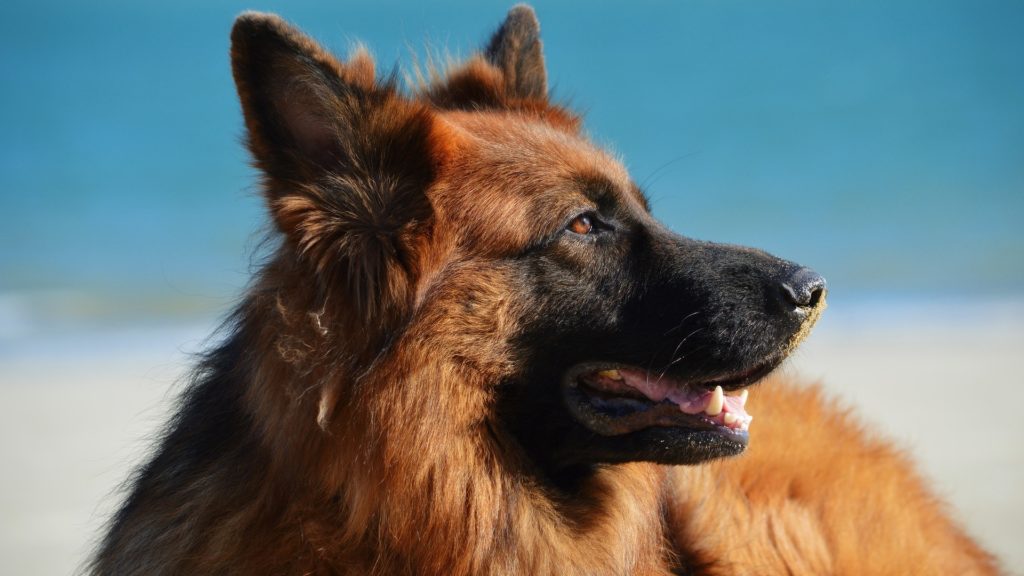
(346, 159)
(509, 74)
(515, 50)
(294, 96)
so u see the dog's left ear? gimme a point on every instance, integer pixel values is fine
(346, 161)
(516, 50)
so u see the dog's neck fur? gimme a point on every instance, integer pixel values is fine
(488, 512)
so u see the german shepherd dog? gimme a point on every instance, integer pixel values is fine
(475, 351)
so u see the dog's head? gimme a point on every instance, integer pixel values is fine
(474, 219)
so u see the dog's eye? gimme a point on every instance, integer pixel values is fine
(582, 224)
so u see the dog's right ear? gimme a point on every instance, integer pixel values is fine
(346, 159)
(508, 75)
(516, 50)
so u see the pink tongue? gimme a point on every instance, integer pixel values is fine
(689, 401)
(734, 404)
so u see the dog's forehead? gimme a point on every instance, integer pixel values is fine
(513, 178)
(534, 149)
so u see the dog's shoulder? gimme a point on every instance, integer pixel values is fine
(816, 493)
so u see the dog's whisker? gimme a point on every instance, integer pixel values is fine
(681, 322)
(676, 352)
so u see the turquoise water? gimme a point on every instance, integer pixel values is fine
(881, 143)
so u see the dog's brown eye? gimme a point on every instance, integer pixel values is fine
(582, 224)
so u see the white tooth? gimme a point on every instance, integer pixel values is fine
(743, 398)
(730, 418)
(714, 407)
(610, 374)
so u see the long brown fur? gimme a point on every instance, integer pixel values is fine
(348, 420)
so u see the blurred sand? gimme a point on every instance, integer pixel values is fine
(943, 380)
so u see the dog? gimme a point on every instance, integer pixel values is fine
(475, 351)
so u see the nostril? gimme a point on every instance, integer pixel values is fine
(804, 288)
(816, 294)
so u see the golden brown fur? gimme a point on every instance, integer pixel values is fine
(816, 493)
(351, 411)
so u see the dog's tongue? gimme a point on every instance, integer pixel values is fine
(724, 410)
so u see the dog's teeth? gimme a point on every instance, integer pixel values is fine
(714, 407)
(743, 398)
(610, 374)
(730, 418)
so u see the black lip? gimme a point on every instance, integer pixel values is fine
(742, 379)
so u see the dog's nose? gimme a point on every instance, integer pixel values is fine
(804, 288)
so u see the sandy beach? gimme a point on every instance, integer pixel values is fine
(942, 379)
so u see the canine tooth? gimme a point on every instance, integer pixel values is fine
(743, 398)
(610, 374)
(730, 418)
(714, 407)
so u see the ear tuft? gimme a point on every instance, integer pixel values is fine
(516, 50)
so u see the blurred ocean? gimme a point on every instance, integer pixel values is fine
(880, 143)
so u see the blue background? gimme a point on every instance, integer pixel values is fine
(881, 143)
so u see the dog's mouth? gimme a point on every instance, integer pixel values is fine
(616, 399)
